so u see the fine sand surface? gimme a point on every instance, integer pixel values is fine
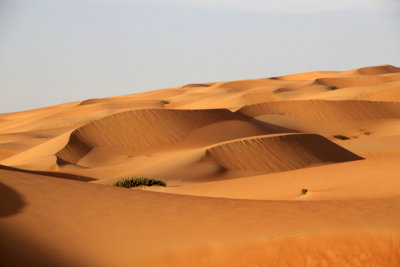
(297, 170)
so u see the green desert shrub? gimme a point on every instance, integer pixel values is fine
(138, 181)
(333, 87)
(341, 137)
(165, 102)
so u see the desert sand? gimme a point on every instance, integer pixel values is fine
(296, 170)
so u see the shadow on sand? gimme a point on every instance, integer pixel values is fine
(10, 201)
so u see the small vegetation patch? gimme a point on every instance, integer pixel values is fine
(303, 192)
(138, 181)
(341, 137)
(365, 132)
(332, 87)
(165, 102)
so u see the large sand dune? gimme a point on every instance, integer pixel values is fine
(147, 130)
(327, 111)
(296, 170)
(278, 152)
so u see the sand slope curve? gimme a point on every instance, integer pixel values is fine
(278, 152)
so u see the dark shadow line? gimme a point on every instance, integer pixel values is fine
(51, 174)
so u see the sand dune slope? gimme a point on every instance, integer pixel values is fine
(226, 160)
(278, 152)
(376, 70)
(326, 111)
(361, 80)
(87, 224)
(142, 130)
(360, 179)
(40, 156)
(295, 170)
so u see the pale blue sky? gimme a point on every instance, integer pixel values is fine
(56, 51)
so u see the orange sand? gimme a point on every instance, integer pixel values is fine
(236, 157)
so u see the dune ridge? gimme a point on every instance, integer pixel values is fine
(278, 152)
(324, 110)
(294, 170)
(143, 129)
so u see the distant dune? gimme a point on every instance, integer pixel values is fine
(296, 170)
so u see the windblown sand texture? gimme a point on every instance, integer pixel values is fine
(297, 170)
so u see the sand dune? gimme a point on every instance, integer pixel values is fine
(5, 153)
(327, 111)
(376, 70)
(295, 170)
(147, 228)
(278, 153)
(373, 70)
(387, 94)
(40, 155)
(358, 80)
(340, 181)
(147, 130)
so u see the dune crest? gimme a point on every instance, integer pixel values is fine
(298, 170)
(143, 130)
(278, 152)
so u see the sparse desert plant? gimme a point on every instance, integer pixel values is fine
(367, 133)
(303, 192)
(332, 87)
(341, 137)
(138, 181)
(165, 102)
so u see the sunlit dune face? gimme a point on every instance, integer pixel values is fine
(295, 170)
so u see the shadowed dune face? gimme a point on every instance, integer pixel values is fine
(172, 119)
(145, 125)
(10, 201)
(298, 170)
(279, 153)
(195, 85)
(378, 70)
(144, 130)
(139, 129)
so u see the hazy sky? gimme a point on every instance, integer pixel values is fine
(56, 51)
